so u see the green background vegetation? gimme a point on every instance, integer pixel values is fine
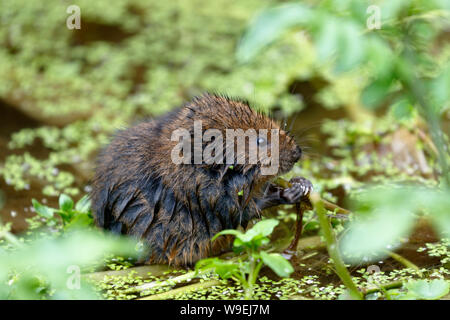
(370, 107)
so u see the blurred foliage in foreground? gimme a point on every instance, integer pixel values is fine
(51, 267)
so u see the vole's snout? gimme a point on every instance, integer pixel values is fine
(297, 153)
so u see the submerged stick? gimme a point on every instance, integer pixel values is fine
(141, 271)
(185, 289)
(156, 284)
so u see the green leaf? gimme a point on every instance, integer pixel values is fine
(79, 221)
(380, 58)
(389, 214)
(42, 210)
(391, 9)
(341, 38)
(256, 236)
(277, 263)
(440, 89)
(225, 232)
(65, 203)
(439, 204)
(268, 26)
(350, 50)
(376, 92)
(327, 38)
(48, 259)
(225, 269)
(83, 205)
(265, 227)
(403, 109)
(428, 290)
(249, 241)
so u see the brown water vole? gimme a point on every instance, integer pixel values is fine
(139, 190)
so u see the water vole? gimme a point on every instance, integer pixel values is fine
(176, 208)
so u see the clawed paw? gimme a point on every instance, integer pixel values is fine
(301, 187)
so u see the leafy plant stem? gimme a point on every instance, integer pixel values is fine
(332, 247)
(404, 261)
(416, 89)
(254, 271)
(9, 237)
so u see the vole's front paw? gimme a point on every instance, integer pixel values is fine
(301, 187)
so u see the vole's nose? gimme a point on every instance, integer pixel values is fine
(298, 153)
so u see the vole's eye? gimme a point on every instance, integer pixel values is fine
(261, 141)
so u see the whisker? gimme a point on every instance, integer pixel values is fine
(293, 120)
(308, 128)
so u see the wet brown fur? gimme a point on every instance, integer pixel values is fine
(177, 209)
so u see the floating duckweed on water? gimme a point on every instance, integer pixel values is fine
(440, 249)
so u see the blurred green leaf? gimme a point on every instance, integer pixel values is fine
(428, 289)
(268, 26)
(391, 9)
(440, 89)
(387, 218)
(327, 38)
(343, 39)
(438, 204)
(368, 238)
(389, 214)
(351, 47)
(51, 264)
(225, 269)
(79, 221)
(402, 109)
(380, 57)
(375, 93)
